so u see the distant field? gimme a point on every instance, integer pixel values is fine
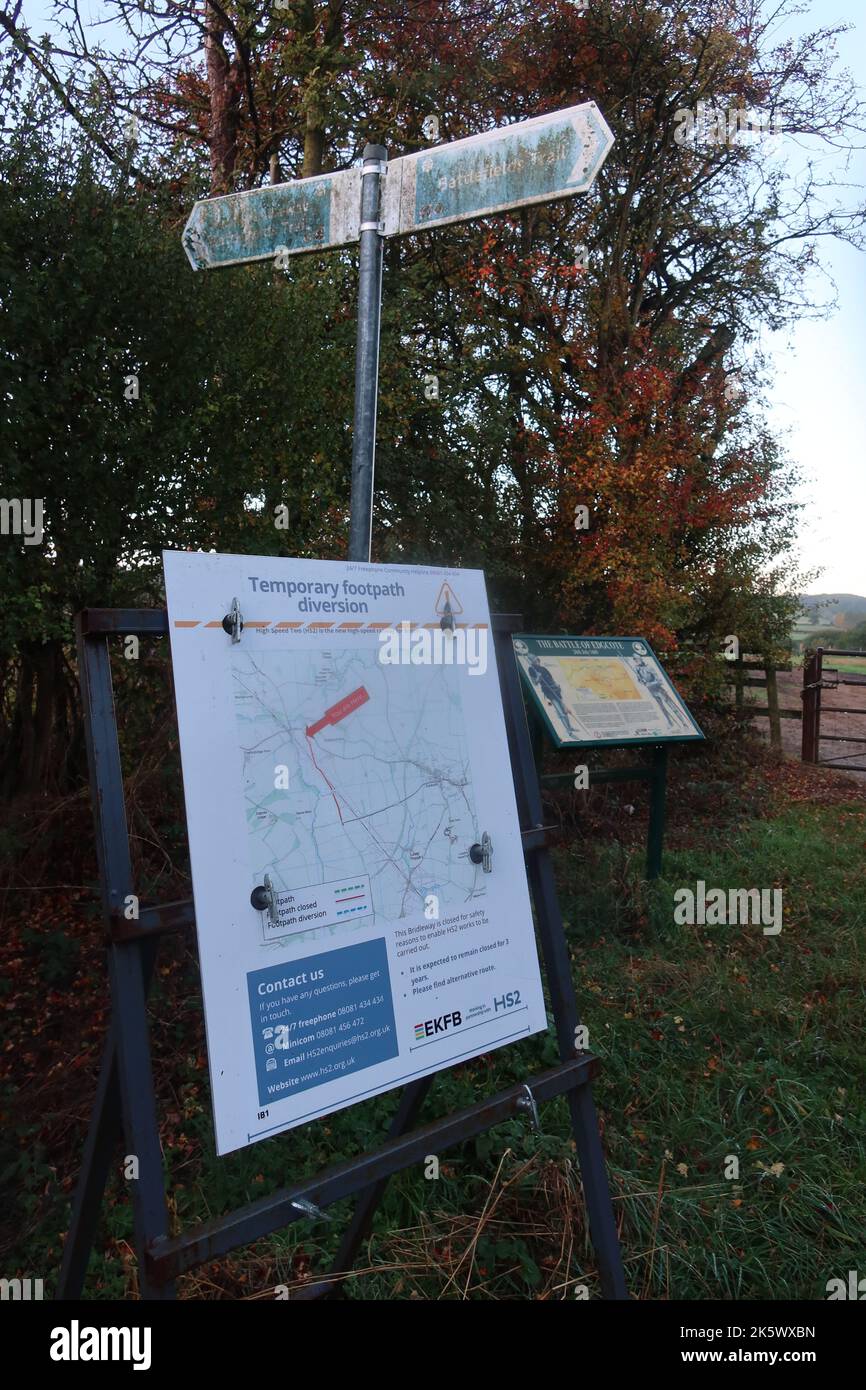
(854, 665)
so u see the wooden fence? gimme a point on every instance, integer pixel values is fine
(772, 710)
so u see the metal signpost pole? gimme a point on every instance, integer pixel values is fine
(367, 353)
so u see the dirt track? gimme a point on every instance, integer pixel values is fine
(839, 756)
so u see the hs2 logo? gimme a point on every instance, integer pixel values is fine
(507, 1001)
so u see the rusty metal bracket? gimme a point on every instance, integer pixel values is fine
(526, 1102)
(169, 1257)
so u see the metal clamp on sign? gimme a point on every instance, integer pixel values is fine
(233, 622)
(264, 900)
(483, 854)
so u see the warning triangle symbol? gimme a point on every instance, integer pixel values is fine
(448, 602)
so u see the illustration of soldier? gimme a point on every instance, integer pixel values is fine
(651, 680)
(551, 692)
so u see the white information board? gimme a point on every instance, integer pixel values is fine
(346, 755)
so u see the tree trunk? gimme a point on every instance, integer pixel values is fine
(224, 95)
(27, 761)
(323, 28)
(314, 141)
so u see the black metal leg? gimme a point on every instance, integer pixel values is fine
(584, 1121)
(596, 1191)
(102, 1137)
(558, 970)
(128, 962)
(359, 1227)
(141, 1132)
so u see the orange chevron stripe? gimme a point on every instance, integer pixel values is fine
(287, 625)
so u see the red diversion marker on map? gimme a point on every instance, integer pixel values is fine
(339, 710)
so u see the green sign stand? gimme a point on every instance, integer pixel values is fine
(609, 692)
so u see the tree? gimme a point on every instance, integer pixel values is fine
(145, 408)
(626, 383)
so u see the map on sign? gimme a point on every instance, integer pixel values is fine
(602, 690)
(378, 800)
(361, 903)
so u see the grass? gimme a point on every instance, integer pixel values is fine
(722, 1050)
(720, 1043)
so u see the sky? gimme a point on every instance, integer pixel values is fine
(818, 396)
(818, 400)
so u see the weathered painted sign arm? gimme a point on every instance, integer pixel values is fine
(535, 161)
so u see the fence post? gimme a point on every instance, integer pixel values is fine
(806, 695)
(738, 684)
(812, 672)
(773, 708)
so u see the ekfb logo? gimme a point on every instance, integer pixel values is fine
(431, 1026)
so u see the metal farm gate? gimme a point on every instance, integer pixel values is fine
(817, 678)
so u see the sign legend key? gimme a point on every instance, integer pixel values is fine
(320, 905)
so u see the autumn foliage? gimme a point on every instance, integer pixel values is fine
(597, 353)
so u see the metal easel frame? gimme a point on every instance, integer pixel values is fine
(125, 1104)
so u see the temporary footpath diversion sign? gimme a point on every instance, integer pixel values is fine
(332, 784)
(338, 770)
(602, 692)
